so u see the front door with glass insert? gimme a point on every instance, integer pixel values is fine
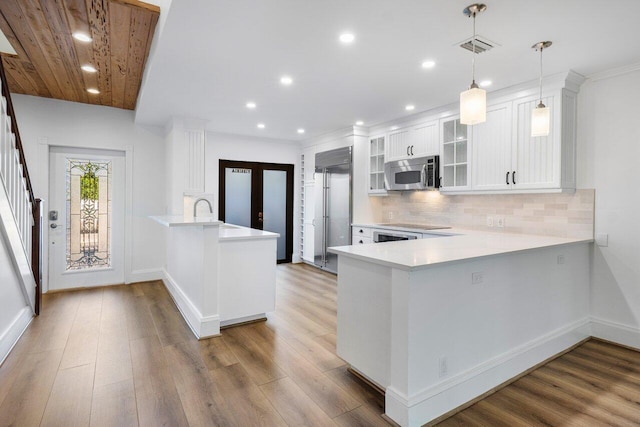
(85, 218)
(259, 195)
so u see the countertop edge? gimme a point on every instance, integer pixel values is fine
(337, 250)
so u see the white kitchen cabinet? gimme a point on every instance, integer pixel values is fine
(492, 149)
(361, 235)
(399, 144)
(506, 158)
(540, 162)
(425, 140)
(376, 165)
(454, 155)
(356, 240)
(416, 141)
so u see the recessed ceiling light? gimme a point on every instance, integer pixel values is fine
(410, 107)
(486, 83)
(251, 105)
(428, 64)
(394, 127)
(82, 37)
(300, 130)
(347, 38)
(286, 80)
(93, 91)
(89, 68)
(359, 123)
(261, 126)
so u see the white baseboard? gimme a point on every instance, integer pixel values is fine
(443, 397)
(201, 326)
(145, 275)
(615, 332)
(10, 336)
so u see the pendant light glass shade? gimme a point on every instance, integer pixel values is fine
(473, 106)
(540, 121)
(473, 102)
(541, 115)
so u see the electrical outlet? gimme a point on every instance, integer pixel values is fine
(477, 278)
(560, 259)
(442, 366)
(390, 215)
(489, 221)
(500, 222)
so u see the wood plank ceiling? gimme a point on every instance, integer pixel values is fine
(48, 58)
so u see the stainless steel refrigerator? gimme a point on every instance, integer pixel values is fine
(332, 205)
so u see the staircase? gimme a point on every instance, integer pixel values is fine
(20, 212)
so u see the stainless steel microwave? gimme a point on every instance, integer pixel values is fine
(420, 173)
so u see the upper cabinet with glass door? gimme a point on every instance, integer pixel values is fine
(454, 157)
(376, 165)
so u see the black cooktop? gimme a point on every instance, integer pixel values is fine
(415, 226)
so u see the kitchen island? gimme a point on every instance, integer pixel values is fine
(438, 322)
(219, 274)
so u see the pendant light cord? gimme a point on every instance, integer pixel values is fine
(473, 50)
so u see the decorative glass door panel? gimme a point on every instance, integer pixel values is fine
(88, 223)
(86, 218)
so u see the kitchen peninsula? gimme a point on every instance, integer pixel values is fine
(219, 274)
(438, 322)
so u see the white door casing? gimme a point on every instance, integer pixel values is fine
(59, 276)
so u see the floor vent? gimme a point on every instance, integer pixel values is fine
(482, 44)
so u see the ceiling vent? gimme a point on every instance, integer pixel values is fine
(482, 44)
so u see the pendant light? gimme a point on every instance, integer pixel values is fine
(540, 116)
(473, 102)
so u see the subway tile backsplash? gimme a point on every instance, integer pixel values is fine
(559, 214)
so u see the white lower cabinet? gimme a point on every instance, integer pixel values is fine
(361, 240)
(361, 235)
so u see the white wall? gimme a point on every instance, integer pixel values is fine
(14, 310)
(60, 123)
(608, 159)
(234, 147)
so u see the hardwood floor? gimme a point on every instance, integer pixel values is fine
(123, 356)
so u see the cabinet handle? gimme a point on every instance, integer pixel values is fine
(412, 150)
(408, 150)
(513, 177)
(508, 177)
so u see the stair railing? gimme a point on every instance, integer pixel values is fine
(26, 209)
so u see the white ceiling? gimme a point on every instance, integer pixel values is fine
(215, 55)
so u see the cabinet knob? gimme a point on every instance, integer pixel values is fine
(361, 231)
(361, 242)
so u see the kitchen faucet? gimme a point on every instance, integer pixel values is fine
(195, 205)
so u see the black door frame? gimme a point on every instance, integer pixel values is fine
(257, 195)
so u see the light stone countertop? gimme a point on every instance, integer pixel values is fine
(227, 231)
(182, 221)
(458, 245)
(230, 232)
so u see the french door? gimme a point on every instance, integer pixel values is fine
(86, 218)
(259, 195)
